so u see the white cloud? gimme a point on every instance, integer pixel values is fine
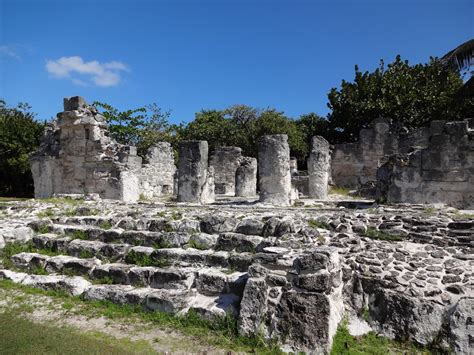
(85, 73)
(9, 51)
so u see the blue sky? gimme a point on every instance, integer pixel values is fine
(190, 55)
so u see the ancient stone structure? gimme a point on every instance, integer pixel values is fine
(246, 178)
(355, 164)
(274, 170)
(293, 166)
(277, 271)
(318, 168)
(225, 161)
(195, 177)
(158, 170)
(443, 171)
(78, 157)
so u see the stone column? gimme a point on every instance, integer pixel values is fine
(318, 168)
(193, 179)
(293, 166)
(246, 178)
(274, 170)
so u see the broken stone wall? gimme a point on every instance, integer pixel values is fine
(77, 156)
(195, 177)
(443, 172)
(225, 161)
(157, 173)
(355, 164)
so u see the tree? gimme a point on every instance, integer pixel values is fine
(412, 95)
(241, 126)
(461, 59)
(20, 135)
(141, 127)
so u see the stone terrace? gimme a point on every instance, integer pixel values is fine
(404, 271)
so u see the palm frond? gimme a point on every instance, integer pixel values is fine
(461, 57)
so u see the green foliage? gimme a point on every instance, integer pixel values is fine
(78, 234)
(20, 135)
(220, 332)
(196, 245)
(370, 343)
(11, 249)
(410, 94)
(141, 127)
(105, 225)
(21, 336)
(241, 126)
(142, 259)
(317, 224)
(374, 233)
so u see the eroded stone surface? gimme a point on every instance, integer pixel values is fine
(293, 271)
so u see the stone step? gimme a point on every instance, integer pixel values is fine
(206, 281)
(164, 300)
(148, 256)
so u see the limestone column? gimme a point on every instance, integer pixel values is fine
(274, 170)
(193, 177)
(318, 168)
(246, 178)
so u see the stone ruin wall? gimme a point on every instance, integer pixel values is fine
(355, 164)
(225, 161)
(158, 171)
(428, 165)
(77, 156)
(443, 171)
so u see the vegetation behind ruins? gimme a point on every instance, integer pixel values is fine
(412, 95)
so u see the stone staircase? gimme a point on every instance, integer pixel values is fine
(290, 274)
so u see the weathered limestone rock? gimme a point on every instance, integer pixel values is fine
(461, 326)
(318, 168)
(157, 173)
(442, 172)
(225, 161)
(293, 166)
(355, 164)
(78, 157)
(246, 178)
(274, 170)
(195, 179)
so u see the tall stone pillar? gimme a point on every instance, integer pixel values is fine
(194, 180)
(274, 169)
(318, 168)
(246, 178)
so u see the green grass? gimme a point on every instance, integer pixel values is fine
(370, 343)
(105, 225)
(78, 234)
(317, 224)
(62, 201)
(374, 233)
(339, 190)
(11, 249)
(47, 213)
(21, 336)
(196, 245)
(220, 332)
(42, 229)
(141, 259)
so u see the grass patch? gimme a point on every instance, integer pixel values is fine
(196, 245)
(374, 233)
(339, 190)
(105, 225)
(21, 336)
(142, 259)
(176, 215)
(11, 249)
(317, 224)
(78, 234)
(62, 200)
(220, 332)
(370, 343)
(47, 213)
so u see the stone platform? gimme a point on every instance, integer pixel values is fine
(292, 273)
